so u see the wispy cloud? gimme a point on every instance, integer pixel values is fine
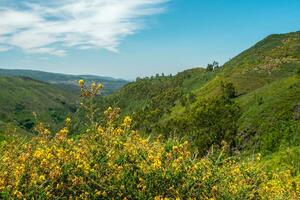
(54, 27)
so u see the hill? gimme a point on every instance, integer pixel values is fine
(229, 132)
(65, 81)
(20, 97)
(263, 83)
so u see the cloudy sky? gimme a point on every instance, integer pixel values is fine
(130, 38)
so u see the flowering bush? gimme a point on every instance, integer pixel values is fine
(114, 162)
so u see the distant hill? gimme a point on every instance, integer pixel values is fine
(21, 97)
(266, 80)
(65, 80)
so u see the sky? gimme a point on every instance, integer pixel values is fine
(135, 38)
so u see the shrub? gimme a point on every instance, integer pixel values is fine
(113, 161)
(228, 89)
(213, 121)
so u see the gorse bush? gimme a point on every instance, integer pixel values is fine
(112, 161)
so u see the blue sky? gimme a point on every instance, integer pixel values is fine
(130, 38)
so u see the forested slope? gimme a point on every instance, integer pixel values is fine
(262, 83)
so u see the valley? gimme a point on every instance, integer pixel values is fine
(217, 132)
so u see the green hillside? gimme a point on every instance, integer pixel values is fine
(20, 97)
(224, 132)
(66, 81)
(265, 82)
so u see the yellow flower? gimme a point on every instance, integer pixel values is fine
(68, 121)
(258, 157)
(81, 82)
(100, 86)
(104, 194)
(38, 153)
(157, 164)
(127, 121)
(100, 130)
(98, 193)
(175, 148)
(19, 195)
(62, 133)
(42, 178)
(214, 189)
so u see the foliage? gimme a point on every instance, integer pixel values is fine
(228, 89)
(24, 99)
(213, 66)
(207, 122)
(112, 161)
(214, 121)
(263, 81)
(206, 118)
(151, 99)
(269, 119)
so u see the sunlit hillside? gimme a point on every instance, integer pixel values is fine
(24, 102)
(112, 161)
(149, 100)
(262, 81)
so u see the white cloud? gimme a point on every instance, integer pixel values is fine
(3, 48)
(53, 27)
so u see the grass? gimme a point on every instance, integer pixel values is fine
(21, 97)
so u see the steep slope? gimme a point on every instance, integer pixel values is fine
(267, 79)
(270, 115)
(66, 81)
(266, 83)
(275, 57)
(21, 97)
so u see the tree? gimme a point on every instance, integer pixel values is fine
(228, 89)
(211, 67)
(216, 65)
(214, 121)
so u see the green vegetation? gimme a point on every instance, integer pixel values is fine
(113, 161)
(23, 101)
(65, 81)
(263, 81)
(224, 132)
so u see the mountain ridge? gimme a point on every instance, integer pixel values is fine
(272, 66)
(68, 81)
